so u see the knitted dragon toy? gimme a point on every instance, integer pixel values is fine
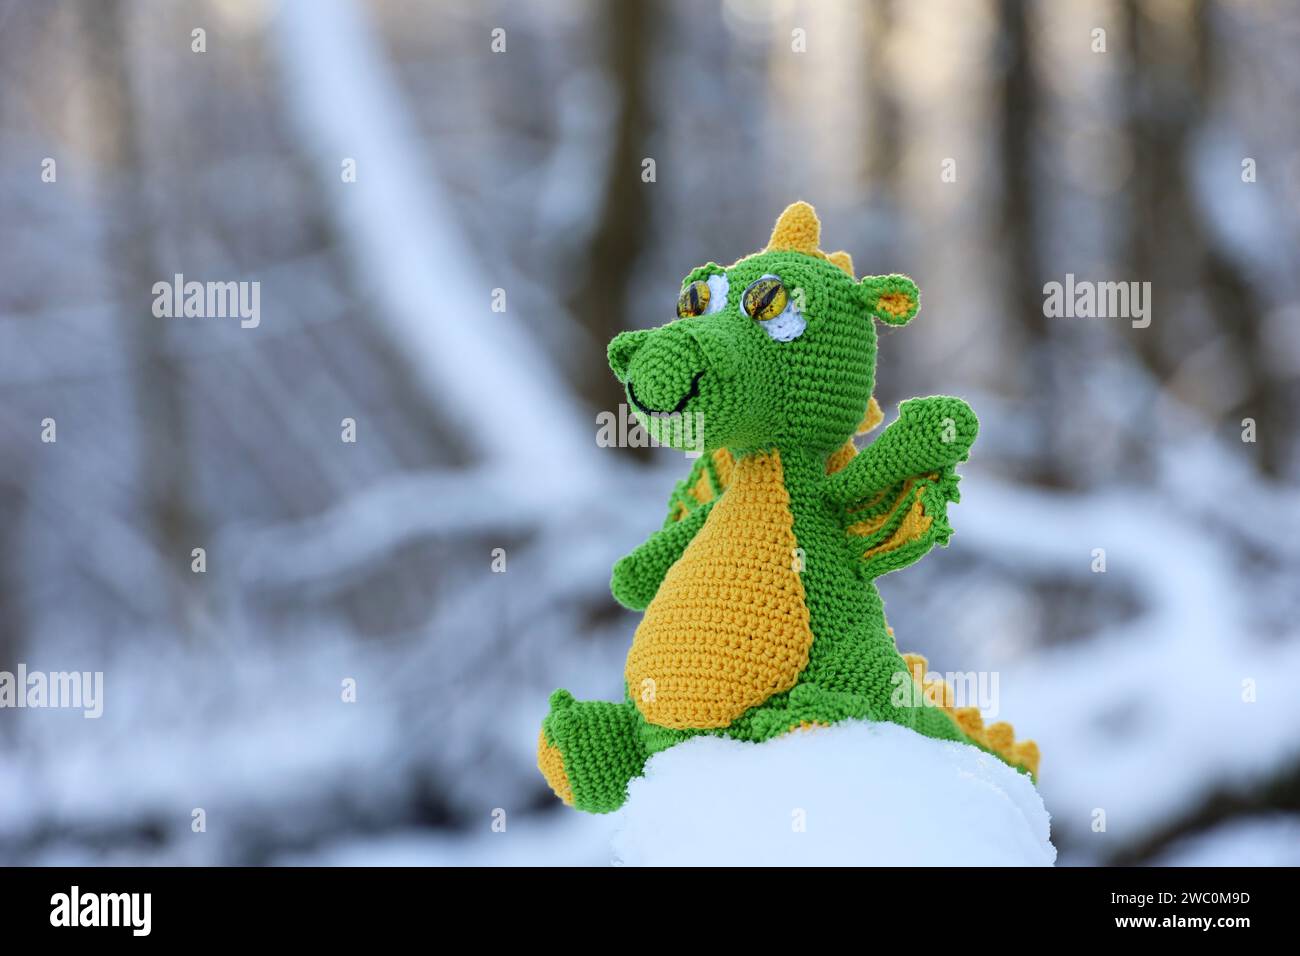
(760, 611)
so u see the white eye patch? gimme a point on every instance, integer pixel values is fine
(718, 289)
(787, 326)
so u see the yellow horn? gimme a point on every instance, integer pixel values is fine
(798, 230)
(843, 260)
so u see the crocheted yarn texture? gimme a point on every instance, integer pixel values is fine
(760, 611)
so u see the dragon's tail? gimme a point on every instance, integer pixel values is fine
(999, 738)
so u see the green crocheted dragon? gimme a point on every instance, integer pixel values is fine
(760, 612)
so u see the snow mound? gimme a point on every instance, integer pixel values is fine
(856, 794)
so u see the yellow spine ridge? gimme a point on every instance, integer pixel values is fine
(999, 737)
(970, 721)
(939, 693)
(1026, 754)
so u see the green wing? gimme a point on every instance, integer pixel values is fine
(900, 525)
(708, 477)
(895, 493)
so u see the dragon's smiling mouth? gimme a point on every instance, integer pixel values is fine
(681, 404)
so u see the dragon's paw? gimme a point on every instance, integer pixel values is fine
(631, 586)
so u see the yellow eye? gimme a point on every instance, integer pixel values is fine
(765, 299)
(694, 299)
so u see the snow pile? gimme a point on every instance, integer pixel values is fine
(853, 794)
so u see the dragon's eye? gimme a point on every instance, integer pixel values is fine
(703, 296)
(765, 299)
(694, 299)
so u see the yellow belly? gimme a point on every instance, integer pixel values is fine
(728, 627)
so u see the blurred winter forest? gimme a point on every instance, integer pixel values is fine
(986, 148)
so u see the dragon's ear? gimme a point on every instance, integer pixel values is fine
(892, 299)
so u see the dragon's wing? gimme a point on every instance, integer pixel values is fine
(895, 495)
(708, 477)
(899, 525)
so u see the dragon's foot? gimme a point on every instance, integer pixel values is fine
(588, 751)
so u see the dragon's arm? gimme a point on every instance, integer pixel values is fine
(930, 435)
(637, 576)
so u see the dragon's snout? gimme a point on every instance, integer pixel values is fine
(661, 368)
(622, 348)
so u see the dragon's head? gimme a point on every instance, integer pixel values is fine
(776, 350)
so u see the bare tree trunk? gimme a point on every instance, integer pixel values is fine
(1237, 305)
(882, 135)
(15, 34)
(1162, 225)
(628, 42)
(1019, 97)
(884, 138)
(12, 619)
(160, 390)
(1168, 90)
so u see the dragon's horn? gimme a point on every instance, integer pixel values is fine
(843, 260)
(797, 230)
